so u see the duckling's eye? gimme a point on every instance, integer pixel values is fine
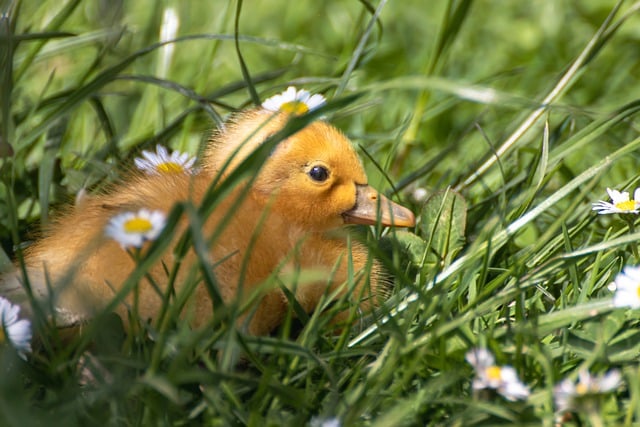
(318, 173)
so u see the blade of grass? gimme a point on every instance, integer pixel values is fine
(568, 79)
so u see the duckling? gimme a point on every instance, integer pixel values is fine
(284, 220)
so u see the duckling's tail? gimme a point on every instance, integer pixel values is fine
(11, 288)
(14, 289)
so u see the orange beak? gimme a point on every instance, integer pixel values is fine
(372, 207)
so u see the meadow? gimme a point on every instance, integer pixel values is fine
(499, 123)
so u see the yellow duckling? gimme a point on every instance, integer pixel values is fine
(311, 184)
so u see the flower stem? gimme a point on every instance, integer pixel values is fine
(634, 246)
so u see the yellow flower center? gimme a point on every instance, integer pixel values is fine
(137, 226)
(170, 167)
(629, 205)
(3, 335)
(581, 389)
(294, 107)
(494, 372)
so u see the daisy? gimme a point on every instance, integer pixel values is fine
(132, 229)
(569, 395)
(503, 379)
(161, 162)
(324, 422)
(627, 288)
(17, 332)
(294, 101)
(620, 203)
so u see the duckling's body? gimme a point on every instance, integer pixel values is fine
(284, 222)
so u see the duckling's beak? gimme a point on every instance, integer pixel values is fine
(372, 207)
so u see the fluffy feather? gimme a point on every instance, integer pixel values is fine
(286, 223)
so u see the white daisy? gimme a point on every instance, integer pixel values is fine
(503, 379)
(132, 229)
(17, 332)
(294, 101)
(569, 395)
(324, 422)
(627, 288)
(161, 162)
(620, 203)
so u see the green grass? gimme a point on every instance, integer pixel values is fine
(520, 264)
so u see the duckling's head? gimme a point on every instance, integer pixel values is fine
(313, 178)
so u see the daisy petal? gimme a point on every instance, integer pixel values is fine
(627, 288)
(17, 332)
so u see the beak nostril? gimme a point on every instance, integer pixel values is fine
(372, 208)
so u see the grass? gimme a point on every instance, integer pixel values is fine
(512, 116)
